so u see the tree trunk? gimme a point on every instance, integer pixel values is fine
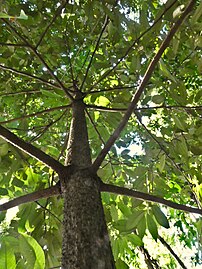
(85, 238)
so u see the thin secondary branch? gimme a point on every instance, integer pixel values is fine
(95, 49)
(147, 197)
(135, 42)
(12, 44)
(36, 113)
(168, 156)
(172, 252)
(31, 197)
(41, 59)
(31, 150)
(150, 262)
(141, 88)
(57, 13)
(124, 109)
(117, 88)
(21, 73)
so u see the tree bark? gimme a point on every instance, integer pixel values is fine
(85, 237)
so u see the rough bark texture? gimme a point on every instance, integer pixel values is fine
(78, 150)
(85, 238)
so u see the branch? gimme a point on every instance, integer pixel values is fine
(147, 197)
(95, 49)
(117, 88)
(172, 252)
(106, 22)
(41, 59)
(124, 109)
(150, 262)
(10, 69)
(141, 88)
(168, 156)
(135, 42)
(36, 114)
(31, 197)
(31, 150)
(12, 44)
(57, 13)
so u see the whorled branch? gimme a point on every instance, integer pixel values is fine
(31, 197)
(141, 88)
(147, 197)
(55, 190)
(31, 150)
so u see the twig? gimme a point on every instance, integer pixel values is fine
(172, 252)
(168, 156)
(10, 69)
(31, 197)
(36, 113)
(12, 44)
(95, 49)
(57, 13)
(48, 210)
(141, 88)
(41, 59)
(39, 135)
(124, 109)
(117, 88)
(147, 197)
(132, 46)
(31, 150)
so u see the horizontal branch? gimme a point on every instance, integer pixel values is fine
(21, 73)
(143, 84)
(123, 109)
(38, 56)
(12, 44)
(147, 197)
(31, 150)
(36, 113)
(31, 197)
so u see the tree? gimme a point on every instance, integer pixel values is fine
(82, 81)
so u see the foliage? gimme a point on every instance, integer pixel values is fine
(104, 47)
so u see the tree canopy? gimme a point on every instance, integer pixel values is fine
(137, 66)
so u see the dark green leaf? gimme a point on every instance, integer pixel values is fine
(152, 227)
(160, 216)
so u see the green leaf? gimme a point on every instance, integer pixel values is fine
(4, 149)
(102, 101)
(22, 16)
(6, 16)
(135, 240)
(3, 191)
(7, 257)
(141, 227)
(114, 212)
(158, 99)
(197, 14)
(134, 219)
(160, 217)
(152, 227)
(32, 252)
(121, 264)
(165, 71)
(161, 163)
(179, 123)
